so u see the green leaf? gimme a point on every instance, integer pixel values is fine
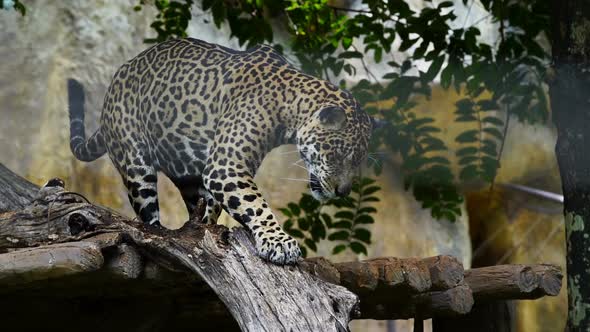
(493, 120)
(434, 68)
(286, 212)
(466, 151)
(311, 245)
(318, 231)
(358, 248)
(350, 55)
(344, 215)
(349, 69)
(467, 136)
(428, 130)
(370, 199)
(378, 54)
(308, 203)
(296, 233)
(466, 118)
(407, 43)
(367, 181)
(346, 42)
(338, 249)
(367, 209)
(303, 251)
(364, 219)
(445, 4)
(467, 160)
(340, 235)
(362, 235)
(303, 224)
(390, 76)
(469, 173)
(294, 208)
(342, 224)
(494, 132)
(487, 105)
(327, 219)
(414, 162)
(371, 190)
(446, 76)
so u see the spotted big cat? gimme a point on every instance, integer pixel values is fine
(206, 115)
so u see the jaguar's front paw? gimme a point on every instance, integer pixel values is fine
(277, 247)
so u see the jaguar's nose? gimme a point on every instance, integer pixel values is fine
(343, 189)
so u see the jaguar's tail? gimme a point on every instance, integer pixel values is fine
(84, 149)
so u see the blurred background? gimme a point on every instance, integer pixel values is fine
(88, 40)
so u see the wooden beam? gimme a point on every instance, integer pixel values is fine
(514, 282)
(47, 262)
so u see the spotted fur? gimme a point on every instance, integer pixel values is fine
(206, 116)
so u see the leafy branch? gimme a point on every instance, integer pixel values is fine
(309, 222)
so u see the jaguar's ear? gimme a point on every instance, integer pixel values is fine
(378, 123)
(332, 117)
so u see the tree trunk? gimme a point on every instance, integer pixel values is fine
(570, 103)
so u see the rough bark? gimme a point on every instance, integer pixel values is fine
(571, 114)
(260, 296)
(41, 263)
(16, 192)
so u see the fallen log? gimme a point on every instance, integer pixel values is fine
(59, 260)
(260, 296)
(514, 282)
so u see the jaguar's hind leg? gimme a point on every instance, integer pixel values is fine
(141, 182)
(189, 190)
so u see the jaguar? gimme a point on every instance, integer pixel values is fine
(206, 116)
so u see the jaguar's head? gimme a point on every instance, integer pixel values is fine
(333, 144)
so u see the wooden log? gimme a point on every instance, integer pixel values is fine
(504, 282)
(16, 192)
(409, 275)
(445, 271)
(46, 262)
(124, 261)
(451, 302)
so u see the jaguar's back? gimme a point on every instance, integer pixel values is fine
(166, 100)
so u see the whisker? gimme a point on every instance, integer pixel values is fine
(292, 179)
(288, 152)
(299, 166)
